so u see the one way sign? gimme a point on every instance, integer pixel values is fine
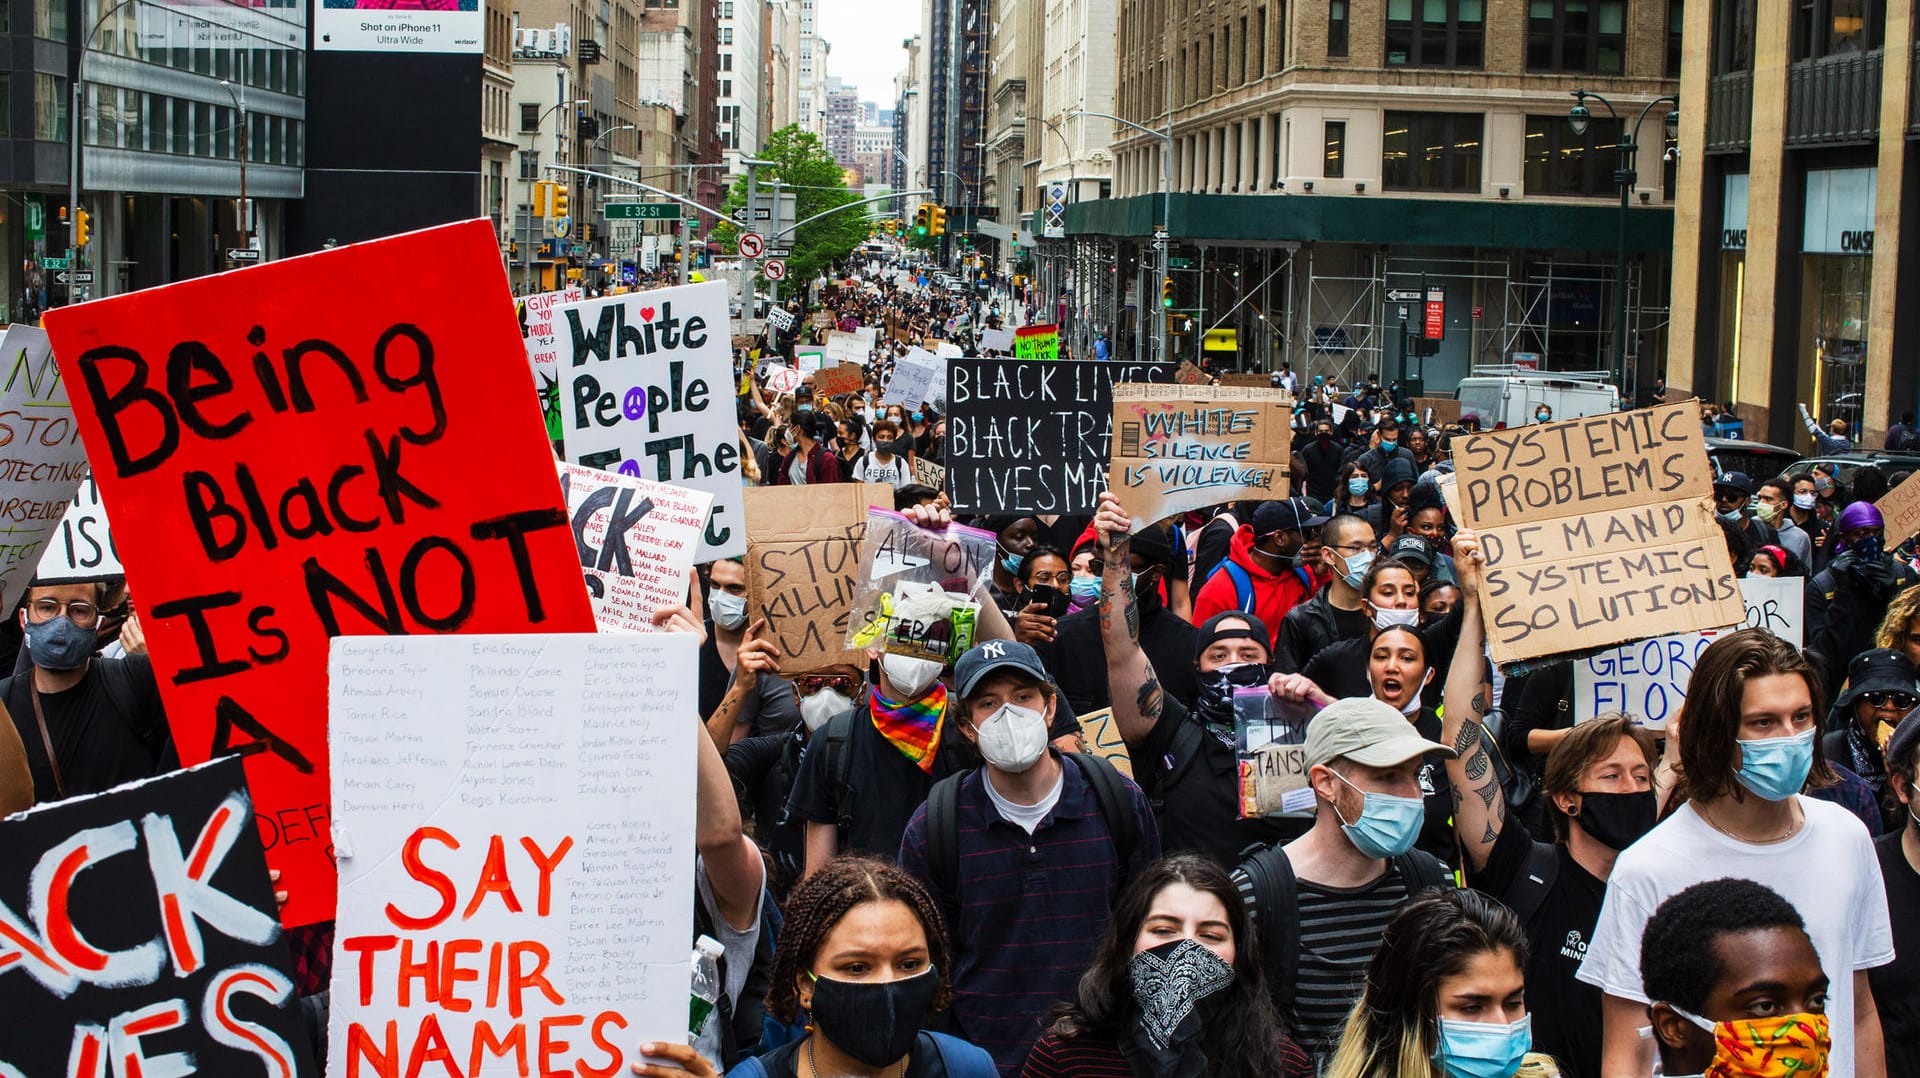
(74, 277)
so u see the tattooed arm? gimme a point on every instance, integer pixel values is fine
(1131, 682)
(1479, 808)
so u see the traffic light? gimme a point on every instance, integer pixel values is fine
(1166, 293)
(920, 220)
(81, 230)
(543, 198)
(560, 201)
(936, 222)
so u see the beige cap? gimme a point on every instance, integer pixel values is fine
(1366, 731)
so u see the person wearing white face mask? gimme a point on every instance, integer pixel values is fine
(736, 699)
(1026, 853)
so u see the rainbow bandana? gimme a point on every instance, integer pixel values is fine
(913, 727)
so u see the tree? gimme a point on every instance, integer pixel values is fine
(801, 165)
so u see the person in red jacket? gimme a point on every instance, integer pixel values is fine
(1268, 568)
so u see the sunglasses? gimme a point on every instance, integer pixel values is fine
(1901, 700)
(839, 683)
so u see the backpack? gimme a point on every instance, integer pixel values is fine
(1277, 909)
(958, 1058)
(836, 740)
(1537, 875)
(742, 1021)
(943, 827)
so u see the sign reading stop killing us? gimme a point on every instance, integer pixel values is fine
(1596, 531)
(292, 456)
(645, 380)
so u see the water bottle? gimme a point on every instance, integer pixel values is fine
(706, 982)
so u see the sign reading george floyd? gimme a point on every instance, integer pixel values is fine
(1596, 531)
(292, 456)
(138, 936)
(1183, 447)
(643, 380)
(1026, 437)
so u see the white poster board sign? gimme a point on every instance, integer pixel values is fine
(660, 525)
(1648, 678)
(82, 547)
(918, 377)
(41, 458)
(845, 348)
(543, 344)
(784, 379)
(996, 340)
(511, 804)
(647, 390)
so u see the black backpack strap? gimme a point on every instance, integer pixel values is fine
(1276, 908)
(1184, 746)
(943, 845)
(1420, 870)
(1111, 791)
(837, 742)
(1536, 878)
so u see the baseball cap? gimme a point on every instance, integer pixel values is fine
(986, 658)
(1366, 731)
(1736, 480)
(1411, 548)
(1287, 515)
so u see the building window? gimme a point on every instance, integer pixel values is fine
(1835, 27)
(1336, 150)
(1560, 162)
(50, 19)
(1577, 35)
(529, 164)
(529, 117)
(6, 105)
(49, 107)
(1431, 151)
(1675, 23)
(1733, 38)
(1260, 43)
(726, 35)
(1436, 33)
(1336, 28)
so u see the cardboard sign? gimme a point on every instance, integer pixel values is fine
(996, 340)
(1648, 679)
(526, 836)
(1187, 447)
(1102, 736)
(1900, 508)
(927, 473)
(42, 460)
(1247, 380)
(543, 352)
(846, 348)
(137, 930)
(1190, 375)
(636, 542)
(1596, 531)
(803, 557)
(82, 547)
(645, 388)
(1445, 410)
(1027, 437)
(324, 459)
(918, 378)
(845, 378)
(821, 320)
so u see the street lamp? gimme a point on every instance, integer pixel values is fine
(526, 255)
(244, 213)
(1580, 118)
(1162, 231)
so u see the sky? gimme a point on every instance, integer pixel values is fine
(866, 38)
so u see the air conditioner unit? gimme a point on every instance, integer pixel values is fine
(563, 40)
(527, 40)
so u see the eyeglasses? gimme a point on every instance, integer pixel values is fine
(839, 683)
(1904, 701)
(1352, 548)
(79, 611)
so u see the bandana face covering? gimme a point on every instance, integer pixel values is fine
(1172, 984)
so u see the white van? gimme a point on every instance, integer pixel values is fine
(1507, 396)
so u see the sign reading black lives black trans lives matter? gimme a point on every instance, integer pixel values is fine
(1033, 436)
(1597, 531)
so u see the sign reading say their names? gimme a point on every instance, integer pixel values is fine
(42, 459)
(309, 458)
(803, 563)
(644, 380)
(82, 548)
(1182, 447)
(1596, 531)
(636, 541)
(137, 931)
(1027, 437)
(516, 817)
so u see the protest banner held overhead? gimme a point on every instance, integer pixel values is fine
(529, 837)
(918, 378)
(42, 459)
(543, 351)
(844, 378)
(138, 935)
(996, 340)
(1033, 437)
(319, 459)
(1183, 447)
(82, 547)
(1036, 342)
(803, 557)
(1596, 531)
(636, 540)
(644, 379)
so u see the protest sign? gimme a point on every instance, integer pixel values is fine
(82, 547)
(1102, 737)
(645, 377)
(1648, 678)
(868, 338)
(803, 557)
(845, 378)
(516, 817)
(845, 348)
(779, 319)
(321, 459)
(820, 320)
(945, 349)
(1026, 437)
(643, 566)
(928, 473)
(42, 460)
(782, 379)
(1187, 447)
(1596, 531)
(1439, 411)
(809, 362)
(138, 935)
(1900, 508)
(543, 351)
(1190, 375)
(1036, 342)
(1249, 380)
(996, 340)
(918, 378)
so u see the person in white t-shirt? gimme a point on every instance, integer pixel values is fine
(1747, 749)
(886, 464)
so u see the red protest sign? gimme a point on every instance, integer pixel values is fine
(293, 455)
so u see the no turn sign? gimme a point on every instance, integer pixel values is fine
(752, 245)
(775, 270)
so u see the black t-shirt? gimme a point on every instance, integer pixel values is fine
(107, 730)
(1199, 809)
(1566, 1011)
(1896, 985)
(1436, 834)
(1341, 667)
(1079, 658)
(890, 786)
(762, 769)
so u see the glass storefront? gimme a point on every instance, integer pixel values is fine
(1836, 284)
(1733, 286)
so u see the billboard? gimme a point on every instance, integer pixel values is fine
(399, 26)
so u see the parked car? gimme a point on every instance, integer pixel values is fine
(1845, 464)
(1758, 460)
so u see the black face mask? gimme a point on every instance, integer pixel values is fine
(1177, 991)
(1213, 706)
(1616, 821)
(874, 1022)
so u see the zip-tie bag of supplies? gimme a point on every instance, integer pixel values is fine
(1270, 741)
(915, 588)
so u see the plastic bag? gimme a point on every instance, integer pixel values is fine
(916, 587)
(1270, 740)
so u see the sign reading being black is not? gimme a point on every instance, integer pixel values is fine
(1033, 436)
(138, 935)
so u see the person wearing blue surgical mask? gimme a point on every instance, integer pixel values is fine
(733, 693)
(1014, 537)
(1446, 987)
(1745, 751)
